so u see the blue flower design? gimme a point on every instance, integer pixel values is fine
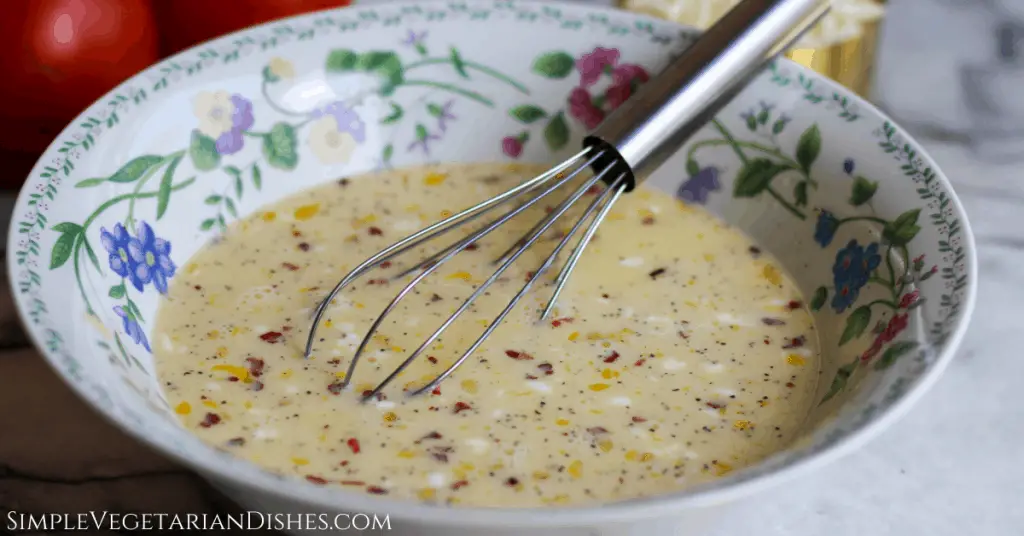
(151, 258)
(851, 272)
(116, 244)
(825, 230)
(696, 188)
(132, 327)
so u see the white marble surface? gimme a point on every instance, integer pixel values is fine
(954, 466)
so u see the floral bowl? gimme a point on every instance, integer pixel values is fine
(860, 216)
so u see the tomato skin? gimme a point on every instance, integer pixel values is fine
(185, 23)
(59, 57)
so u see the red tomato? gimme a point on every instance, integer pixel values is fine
(185, 23)
(59, 57)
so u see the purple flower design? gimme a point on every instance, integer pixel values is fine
(591, 66)
(423, 139)
(116, 244)
(696, 188)
(348, 120)
(415, 39)
(132, 327)
(151, 260)
(443, 114)
(231, 141)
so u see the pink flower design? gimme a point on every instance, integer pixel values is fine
(513, 145)
(896, 325)
(909, 299)
(627, 73)
(581, 106)
(591, 66)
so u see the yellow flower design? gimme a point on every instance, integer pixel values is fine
(281, 68)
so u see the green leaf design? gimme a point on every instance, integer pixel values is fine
(203, 151)
(800, 194)
(751, 122)
(862, 191)
(90, 253)
(89, 183)
(903, 229)
(163, 195)
(134, 310)
(269, 77)
(230, 205)
(527, 113)
(233, 171)
(212, 200)
(818, 300)
(239, 187)
(856, 323)
(460, 66)
(257, 177)
(279, 147)
(341, 61)
(692, 167)
(556, 65)
(117, 291)
(755, 177)
(808, 148)
(384, 64)
(135, 168)
(207, 224)
(762, 117)
(839, 382)
(778, 126)
(386, 154)
(556, 133)
(396, 113)
(65, 244)
(893, 353)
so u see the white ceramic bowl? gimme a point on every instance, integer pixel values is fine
(855, 210)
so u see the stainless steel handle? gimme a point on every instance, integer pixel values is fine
(653, 124)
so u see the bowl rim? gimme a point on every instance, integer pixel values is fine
(296, 490)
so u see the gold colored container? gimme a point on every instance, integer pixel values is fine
(842, 46)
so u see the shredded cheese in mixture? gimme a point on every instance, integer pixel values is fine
(678, 351)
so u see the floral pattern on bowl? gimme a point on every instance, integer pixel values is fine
(167, 161)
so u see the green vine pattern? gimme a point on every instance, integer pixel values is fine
(780, 76)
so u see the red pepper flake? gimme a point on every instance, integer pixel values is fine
(255, 366)
(353, 483)
(772, 321)
(639, 363)
(518, 356)
(432, 359)
(378, 396)
(794, 304)
(377, 282)
(316, 479)
(198, 287)
(648, 220)
(209, 420)
(385, 265)
(233, 378)
(286, 329)
(472, 247)
(336, 388)
(795, 342)
(431, 435)
(715, 405)
(436, 392)
(353, 444)
(593, 190)
(683, 334)
(529, 275)
(290, 266)
(597, 430)
(304, 246)
(654, 274)
(559, 321)
(257, 386)
(512, 482)
(461, 406)
(612, 358)
(547, 368)
(376, 490)
(531, 377)
(460, 484)
(343, 463)
(375, 231)
(790, 385)
(271, 336)
(639, 419)
(296, 233)
(334, 362)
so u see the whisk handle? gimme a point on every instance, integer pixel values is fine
(652, 125)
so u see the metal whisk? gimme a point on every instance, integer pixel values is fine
(627, 147)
